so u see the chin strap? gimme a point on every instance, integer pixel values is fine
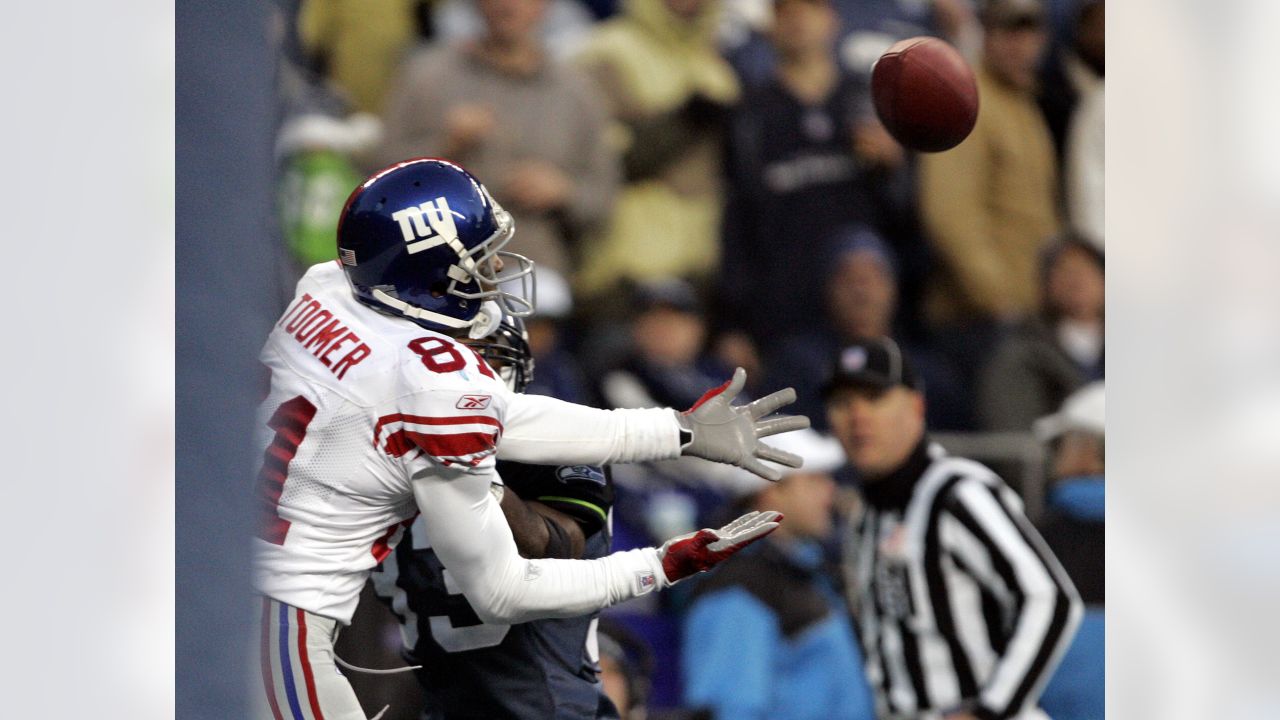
(481, 326)
(486, 321)
(418, 312)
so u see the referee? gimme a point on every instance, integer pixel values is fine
(962, 610)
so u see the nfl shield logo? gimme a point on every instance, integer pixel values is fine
(645, 581)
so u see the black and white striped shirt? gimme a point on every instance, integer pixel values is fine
(960, 604)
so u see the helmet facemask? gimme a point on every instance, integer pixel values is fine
(476, 265)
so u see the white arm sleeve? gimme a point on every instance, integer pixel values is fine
(545, 431)
(470, 535)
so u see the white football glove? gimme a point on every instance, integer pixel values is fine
(731, 433)
(698, 551)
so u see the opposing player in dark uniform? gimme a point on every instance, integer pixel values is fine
(531, 671)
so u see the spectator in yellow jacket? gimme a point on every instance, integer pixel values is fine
(669, 90)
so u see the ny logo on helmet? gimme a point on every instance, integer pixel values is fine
(427, 225)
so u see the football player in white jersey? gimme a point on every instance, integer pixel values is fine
(377, 413)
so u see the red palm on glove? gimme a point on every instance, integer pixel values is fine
(698, 551)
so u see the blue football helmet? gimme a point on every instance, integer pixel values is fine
(423, 240)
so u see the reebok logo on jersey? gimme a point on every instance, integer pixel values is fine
(473, 402)
(427, 225)
(532, 571)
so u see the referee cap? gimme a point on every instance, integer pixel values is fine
(872, 362)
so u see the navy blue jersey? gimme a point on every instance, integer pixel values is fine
(538, 670)
(793, 182)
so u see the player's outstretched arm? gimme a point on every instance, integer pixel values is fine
(470, 535)
(543, 431)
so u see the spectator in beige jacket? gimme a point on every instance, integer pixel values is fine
(535, 129)
(989, 205)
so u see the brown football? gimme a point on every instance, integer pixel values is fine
(925, 94)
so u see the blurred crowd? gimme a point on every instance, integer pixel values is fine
(703, 184)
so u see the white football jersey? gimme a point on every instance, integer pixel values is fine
(361, 403)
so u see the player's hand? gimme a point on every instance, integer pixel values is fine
(537, 186)
(876, 146)
(467, 125)
(737, 349)
(690, 554)
(731, 433)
